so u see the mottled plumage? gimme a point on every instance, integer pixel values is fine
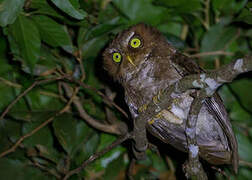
(142, 60)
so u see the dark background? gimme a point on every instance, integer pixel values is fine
(40, 37)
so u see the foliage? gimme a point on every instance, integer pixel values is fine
(40, 39)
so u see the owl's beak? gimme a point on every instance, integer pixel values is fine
(130, 60)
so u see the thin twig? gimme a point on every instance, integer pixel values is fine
(130, 172)
(114, 129)
(107, 100)
(9, 83)
(25, 92)
(206, 11)
(21, 139)
(98, 155)
(245, 163)
(79, 59)
(221, 172)
(170, 164)
(51, 94)
(46, 169)
(184, 32)
(213, 53)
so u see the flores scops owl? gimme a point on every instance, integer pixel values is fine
(144, 63)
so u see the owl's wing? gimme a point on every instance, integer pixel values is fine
(216, 107)
(214, 104)
(185, 65)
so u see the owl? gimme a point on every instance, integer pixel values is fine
(144, 63)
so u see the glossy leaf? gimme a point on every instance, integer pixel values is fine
(43, 136)
(44, 39)
(43, 7)
(9, 10)
(217, 38)
(242, 89)
(141, 11)
(245, 16)
(181, 6)
(52, 33)
(69, 133)
(27, 37)
(69, 9)
(15, 169)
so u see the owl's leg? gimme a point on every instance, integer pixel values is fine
(193, 167)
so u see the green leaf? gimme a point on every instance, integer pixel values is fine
(9, 10)
(234, 105)
(108, 159)
(141, 11)
(46, 64)
(7, 95)
(10, 131)
(43, 136)
(180, 6)
(116, 165)
(228, 7)
(242, 90)
(52, 33)
(244, 145)
(245, 16)
(41, 100)
(48, 152)
(18, 170)
(69, 133)
(89, 147)
(92, 40)
(42, 7)
(26, 35)
(69, 9)
(217, 38)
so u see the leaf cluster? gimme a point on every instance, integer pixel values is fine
(42, 39)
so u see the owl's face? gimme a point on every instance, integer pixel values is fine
(130, 49)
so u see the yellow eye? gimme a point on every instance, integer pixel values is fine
(135, 42)
(117, 57)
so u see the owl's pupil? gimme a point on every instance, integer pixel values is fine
(135, 42)
(117, 56)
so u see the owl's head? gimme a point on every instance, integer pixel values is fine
(130, 49)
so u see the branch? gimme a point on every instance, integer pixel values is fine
(9, 83)
(212, 53)
(212, 80)
(26, 91)
(106, 99)
(21, 139)
(119, 128)
(98, 154)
